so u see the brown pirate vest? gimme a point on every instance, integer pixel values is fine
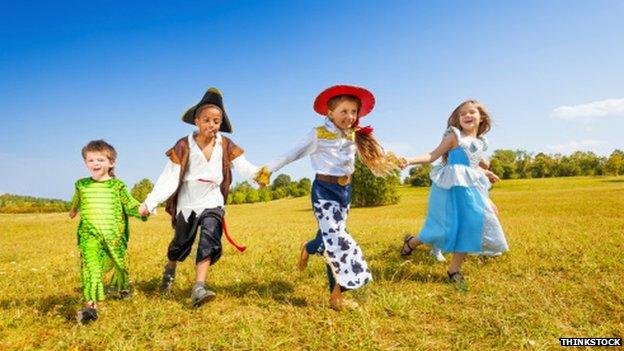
(179, 154)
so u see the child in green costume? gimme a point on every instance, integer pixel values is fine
(104, 205)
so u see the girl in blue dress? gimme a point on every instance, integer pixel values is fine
(460, 218)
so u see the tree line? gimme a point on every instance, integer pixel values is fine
(10, 203)
(281, 187)
(243, 193)
(520, 164)
(369, 190)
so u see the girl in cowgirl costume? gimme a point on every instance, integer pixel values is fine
(332, 148)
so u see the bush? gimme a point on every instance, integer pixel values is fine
(279, 194)
(239, 197)
(419, 175)
(264, 194)
(281, 181)
(369, 190)
(141, 189)
(252, 196)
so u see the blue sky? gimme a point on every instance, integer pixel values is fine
(550, 73)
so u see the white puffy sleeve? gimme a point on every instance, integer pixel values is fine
(244, 168)
(452, 130)
(484, 141)
(165, 186)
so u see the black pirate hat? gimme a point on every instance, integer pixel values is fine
(213, 96)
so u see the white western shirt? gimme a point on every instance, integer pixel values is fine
(331, 151)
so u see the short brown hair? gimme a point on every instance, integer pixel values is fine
(103, 147)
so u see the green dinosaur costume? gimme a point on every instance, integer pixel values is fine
(103, 233)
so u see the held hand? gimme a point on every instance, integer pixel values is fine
(262, 177)
(143, 211)
(403, 162)
(73, 213)
(492, 177)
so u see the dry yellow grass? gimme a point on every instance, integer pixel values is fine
(562, 277)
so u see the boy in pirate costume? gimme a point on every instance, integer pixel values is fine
(332, 148)
(195, 183)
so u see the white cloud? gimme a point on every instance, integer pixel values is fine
(571, 146)
(608, 107)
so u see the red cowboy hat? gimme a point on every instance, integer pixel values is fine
(366, 98)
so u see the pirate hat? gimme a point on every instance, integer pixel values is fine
(213, 96)
(366, 98)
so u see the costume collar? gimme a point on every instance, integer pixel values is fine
(192, 142)
(331, 127)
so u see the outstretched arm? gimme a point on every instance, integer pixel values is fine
(75, 203)
(448, 142)
(302, 149)
(484, 164)
(166, 185)
(129, 204)
(244, 168)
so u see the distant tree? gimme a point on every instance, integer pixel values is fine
(588, 162)
(279, 193)
(281, 181)
(252, 196)
(503, 163)
(567, 167)
(242, 186)
(523, 164)
(264, 194)
(306, 185)
(542, 166)
(141, 189)
(615, 163)
(238, 197)
(369, 190)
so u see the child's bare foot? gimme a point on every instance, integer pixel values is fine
(303, 258)
(343, 304)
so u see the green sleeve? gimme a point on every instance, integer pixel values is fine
(130, 204)
(75, 202)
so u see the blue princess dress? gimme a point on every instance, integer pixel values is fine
(460, 217)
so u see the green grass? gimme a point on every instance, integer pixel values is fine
(562, 278)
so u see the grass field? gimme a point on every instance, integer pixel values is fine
(562, 278)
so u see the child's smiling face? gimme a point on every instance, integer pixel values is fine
(208, 121)
(98, 165)
(469, 118)
(344, 114)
